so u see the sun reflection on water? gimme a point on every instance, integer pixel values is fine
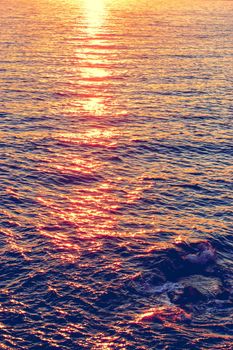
(85, 214)
(95, 14)
(91, 137)
(94, 66)
(88, 208)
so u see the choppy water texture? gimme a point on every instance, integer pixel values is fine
(116, 142)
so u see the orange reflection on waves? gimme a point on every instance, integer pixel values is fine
(89, 64)
(68, 164)
(104, 342)
(91, 137)
(94, 73)
(14, 242)
(83, 214)
(95, 105)
(94, 11)
(167, 314)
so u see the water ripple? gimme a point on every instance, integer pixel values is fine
(115, 169)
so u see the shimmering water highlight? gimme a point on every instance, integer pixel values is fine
(115, 163)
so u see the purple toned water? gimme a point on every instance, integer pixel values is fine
(116, 140)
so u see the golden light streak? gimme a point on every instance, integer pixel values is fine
(95, 14)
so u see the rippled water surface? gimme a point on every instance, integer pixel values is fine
(116, 142)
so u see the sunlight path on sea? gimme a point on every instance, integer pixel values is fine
(116, 146)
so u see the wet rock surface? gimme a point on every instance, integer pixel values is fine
(196, 288)
(182, 277)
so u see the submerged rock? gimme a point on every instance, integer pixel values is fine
(145, 283)
(181, 258)
(165, 266)
(196, 288)
(204, 255)
(182, 278)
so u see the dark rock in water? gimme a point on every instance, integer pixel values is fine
(183, 258)
(164, 265)
(204, 255)
(144, 283)
(196, 288)
(184, 278)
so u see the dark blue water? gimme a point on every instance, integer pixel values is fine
(115, 161)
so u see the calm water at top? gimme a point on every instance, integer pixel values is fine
(116, 138)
